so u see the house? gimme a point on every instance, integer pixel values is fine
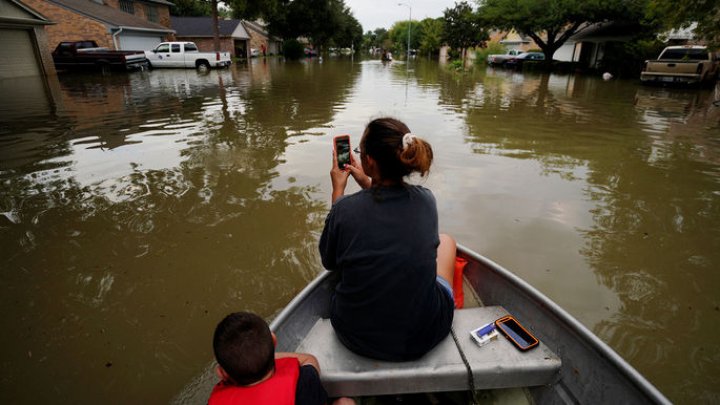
(23, 41)
(587, 46)
(114, 24)
(261, 40)
(233, 36)
(513, 40)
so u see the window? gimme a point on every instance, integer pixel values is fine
(151, 13)
(127, 6)
(685, 54)
(175, 48)
(190, 47)
(163, 48)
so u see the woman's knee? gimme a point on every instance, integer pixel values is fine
(447, 241)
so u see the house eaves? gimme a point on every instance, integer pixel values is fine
(253, 26)
(113, 18)
(34, 17)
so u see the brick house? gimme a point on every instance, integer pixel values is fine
(260, 38)
(114, 24)
(24, 42)
(233, 36)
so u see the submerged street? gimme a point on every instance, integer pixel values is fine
(139, 209)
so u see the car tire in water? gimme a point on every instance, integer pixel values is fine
(104, 68)
(202, 65)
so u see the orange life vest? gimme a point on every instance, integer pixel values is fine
(278, 389)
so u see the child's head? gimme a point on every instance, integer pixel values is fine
(244, 347)
(396, 152)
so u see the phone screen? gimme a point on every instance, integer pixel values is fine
(342, 149)
(517, 333)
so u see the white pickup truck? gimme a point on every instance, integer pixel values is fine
(185, 55)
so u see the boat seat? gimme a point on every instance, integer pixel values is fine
(497, 364)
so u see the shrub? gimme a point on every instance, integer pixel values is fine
(292, 49)
(456, 65)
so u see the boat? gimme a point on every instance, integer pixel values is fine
(570, 365)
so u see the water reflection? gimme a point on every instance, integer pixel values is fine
(138, 209)
(144, 215)
(648, 194)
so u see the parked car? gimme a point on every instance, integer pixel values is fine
(310, 52)
(185, 55)
(519, 60)
(688, 64)
(72, 55)
(254, 52)
(501, 58)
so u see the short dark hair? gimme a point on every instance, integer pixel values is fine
(244, 347)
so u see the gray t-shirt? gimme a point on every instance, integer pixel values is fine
(384, 242)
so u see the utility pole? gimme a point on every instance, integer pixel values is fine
(409, 27)
(216, 30)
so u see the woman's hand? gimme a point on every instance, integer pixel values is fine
(358, 173)
(339, 178)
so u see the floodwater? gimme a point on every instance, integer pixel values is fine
(138, 209)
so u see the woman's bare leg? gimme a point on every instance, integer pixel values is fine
(446, 257)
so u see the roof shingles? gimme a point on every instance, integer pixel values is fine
(110, 16)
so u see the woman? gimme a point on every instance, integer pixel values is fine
(394, 299)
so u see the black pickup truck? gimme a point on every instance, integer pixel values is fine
(73, 55)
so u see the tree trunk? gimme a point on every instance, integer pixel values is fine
(216, 30)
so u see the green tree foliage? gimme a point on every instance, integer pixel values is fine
(322, 21)
(243, 9)
(292, 49)
(463, 27)
(432, 38)
(671, 14)
(191, 8)
(551, 22)
(398, 34)
(252, 9)
(350, 33)
(375, 39)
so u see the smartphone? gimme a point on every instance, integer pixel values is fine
(342, 150)
(516, 333)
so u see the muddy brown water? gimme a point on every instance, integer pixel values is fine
(138, 209)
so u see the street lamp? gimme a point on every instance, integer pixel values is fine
(409, 26)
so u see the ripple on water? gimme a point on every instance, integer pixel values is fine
(638, 287)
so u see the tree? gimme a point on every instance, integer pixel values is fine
(322, 21)
(253, 9)
(350, 33)
(431, 41)
(462, 27)
(398, 34)
(190, 8)
(550, 23)
(680, 14)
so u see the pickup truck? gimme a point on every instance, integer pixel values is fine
(688, 64)
(87, 55)
(185, 55)
(501, 58)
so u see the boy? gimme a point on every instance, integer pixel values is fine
(251, 371)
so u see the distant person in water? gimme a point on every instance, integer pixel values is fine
(394, 300)
(252, 373)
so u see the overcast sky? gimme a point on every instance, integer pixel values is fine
(383, 13)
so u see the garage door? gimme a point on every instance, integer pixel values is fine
(139, 42)
(18, 51)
